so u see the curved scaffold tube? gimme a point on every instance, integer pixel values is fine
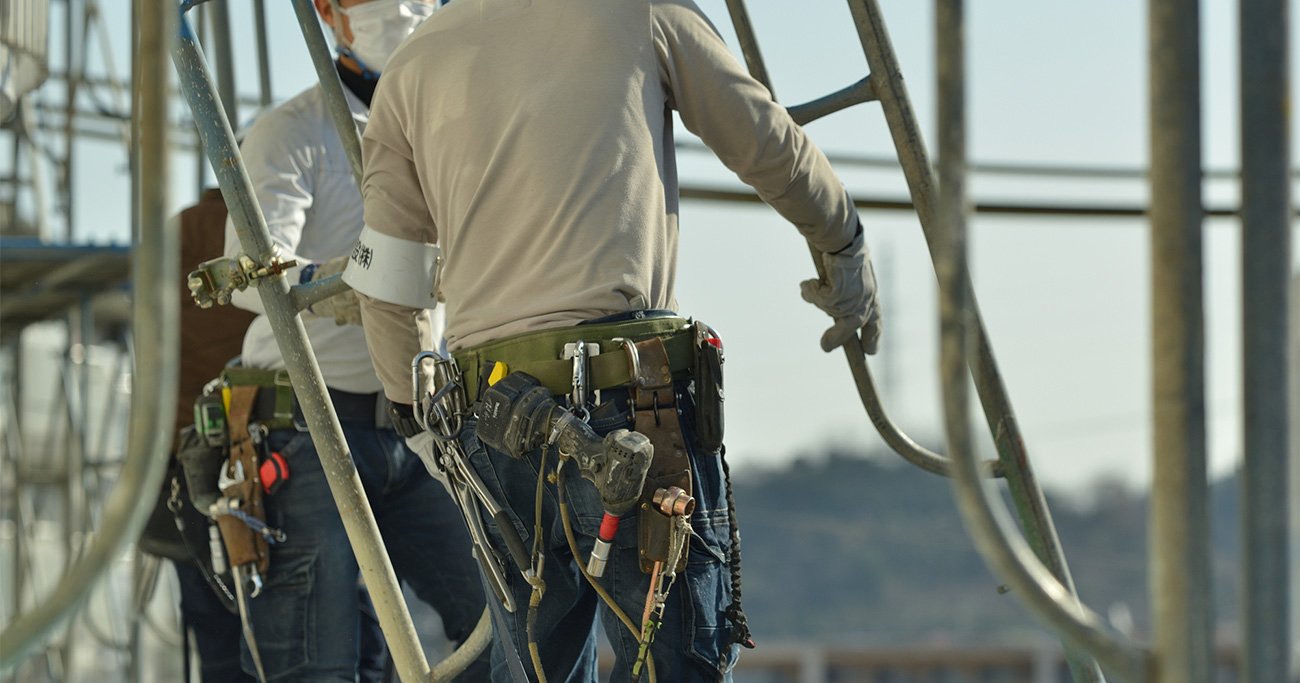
(857, 93)
(976, 357)
(995, 535)
(154, 319)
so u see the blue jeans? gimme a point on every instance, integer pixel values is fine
(216, 631)
(693, 643)
(307, 620)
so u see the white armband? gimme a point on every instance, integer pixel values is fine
(395, 270)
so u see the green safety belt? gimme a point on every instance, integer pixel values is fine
(277, 381)
(540, 354)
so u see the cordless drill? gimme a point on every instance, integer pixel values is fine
(518, 415)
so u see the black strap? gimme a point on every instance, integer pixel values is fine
(362, 87)
(214, 582)
(403, 416)
(735, 614)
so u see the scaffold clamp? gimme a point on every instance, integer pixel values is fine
(215, 281)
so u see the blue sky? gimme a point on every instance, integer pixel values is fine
(1066, 300)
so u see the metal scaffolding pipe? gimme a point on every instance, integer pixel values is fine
(894, 437)
(1294, 346)
(995, 535)
(862, 91)
(264, 92)
(1035, 518)
(66, 179)
(749, 43)
(154, 326)
(304, 373)
(1265, 272)
(1180, 564)
(335, 101)
(224, 56)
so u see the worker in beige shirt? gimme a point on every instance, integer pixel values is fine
(520, 153)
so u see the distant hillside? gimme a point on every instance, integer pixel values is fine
(866, 551)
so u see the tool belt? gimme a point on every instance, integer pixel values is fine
(540, 354)
(646, 356)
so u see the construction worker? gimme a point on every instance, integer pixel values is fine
(531, 145)
(305, 621)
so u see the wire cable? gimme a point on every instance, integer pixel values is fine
(600, 590)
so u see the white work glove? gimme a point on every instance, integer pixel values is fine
(344, 307)
(423, 445)
(848, 296)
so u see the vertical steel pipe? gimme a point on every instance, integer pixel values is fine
(345, 484)
(950, 251)
(154, 325)
(335, 101)
(13, 176)
(14, 403)
(1265, 272)
(1180, 565)
(265, 94)
(71, 79)
(224, 56)
(1294, 346)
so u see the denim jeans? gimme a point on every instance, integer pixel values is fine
(216, 631)
(693, 643)
(307, 619)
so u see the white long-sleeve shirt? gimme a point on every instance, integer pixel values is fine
(313, 212)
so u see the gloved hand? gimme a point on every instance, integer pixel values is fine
(344, 306)
(848, 296)
(423, 445)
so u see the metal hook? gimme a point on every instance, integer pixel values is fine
(633, 356)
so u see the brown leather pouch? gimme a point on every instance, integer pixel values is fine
(243, 545)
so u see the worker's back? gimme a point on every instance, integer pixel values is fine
(535, 133)
(541, 137)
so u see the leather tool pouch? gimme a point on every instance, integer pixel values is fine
(707, 373)
(656, 417)
(243, 545)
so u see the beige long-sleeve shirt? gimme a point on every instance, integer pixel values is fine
(532, 140)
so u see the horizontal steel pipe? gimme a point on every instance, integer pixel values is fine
(858, 93)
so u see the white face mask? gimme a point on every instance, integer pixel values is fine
(379, 26)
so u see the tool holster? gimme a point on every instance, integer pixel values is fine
(654, 404)
(243, 544)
